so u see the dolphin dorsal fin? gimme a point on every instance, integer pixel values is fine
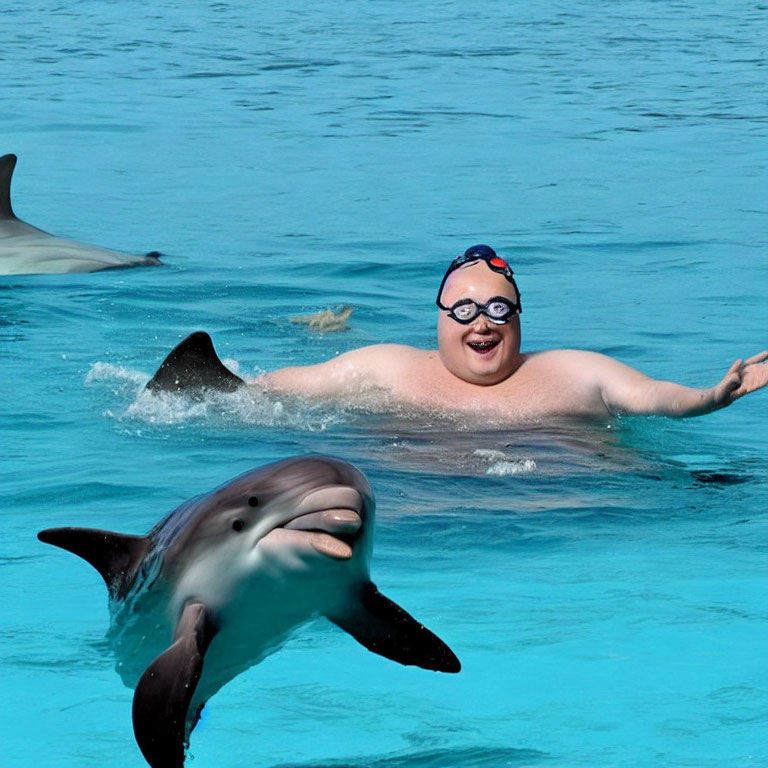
(7, 164)
(116, 556)
(193, 365)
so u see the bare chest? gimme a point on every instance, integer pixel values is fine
(535, 391)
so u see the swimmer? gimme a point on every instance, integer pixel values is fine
(478, 366)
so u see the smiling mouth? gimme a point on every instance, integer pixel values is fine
(483, 347)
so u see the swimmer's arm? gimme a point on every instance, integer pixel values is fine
(627, 391)
(348, 374)
(328, 379)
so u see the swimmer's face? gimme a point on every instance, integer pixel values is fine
(482, 352)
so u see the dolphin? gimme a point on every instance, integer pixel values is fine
(222, 581)
(27, 250)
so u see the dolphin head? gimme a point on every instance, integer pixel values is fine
(302, 521)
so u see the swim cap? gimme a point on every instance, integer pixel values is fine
(480, 253)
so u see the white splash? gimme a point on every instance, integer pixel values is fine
(243, 407)
(501, 465)
(516, 467)
(109, 372)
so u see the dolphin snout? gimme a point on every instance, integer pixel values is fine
(329, 519)
(336, 521)
(338, 497)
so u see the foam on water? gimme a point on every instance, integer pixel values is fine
(501, 465)
(114, 373)
(245, 407)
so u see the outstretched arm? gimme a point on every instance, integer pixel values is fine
(328, 379)
(627, 391)
(351, 373)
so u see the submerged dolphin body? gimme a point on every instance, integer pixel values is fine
(27, 250)
(220, 583)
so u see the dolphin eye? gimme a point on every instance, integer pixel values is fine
(238, 524)
(253, 501)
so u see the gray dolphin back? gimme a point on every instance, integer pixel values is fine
(193, 365)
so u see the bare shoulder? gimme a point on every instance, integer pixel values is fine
(388, 363)
(395, 353)
(375, 358)
(577, 381)
(573, 362)
(582, 369)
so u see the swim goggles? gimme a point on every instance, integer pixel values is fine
(496, 264)
(498, 310)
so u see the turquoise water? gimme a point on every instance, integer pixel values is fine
(608, 603)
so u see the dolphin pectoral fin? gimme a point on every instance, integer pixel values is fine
(387, 629)
(194, 365)
(116, 556)
(160, 720)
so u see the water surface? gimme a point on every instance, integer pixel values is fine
(604, 585)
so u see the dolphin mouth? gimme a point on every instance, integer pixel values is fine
(331, 532)
(329, 519)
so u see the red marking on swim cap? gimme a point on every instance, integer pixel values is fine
(497, 262)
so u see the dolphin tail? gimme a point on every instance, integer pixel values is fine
(385, 628)
(116, 556)
(164, 692)
(7, 164)
(194, 365)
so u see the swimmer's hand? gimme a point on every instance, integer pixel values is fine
(743, 377)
